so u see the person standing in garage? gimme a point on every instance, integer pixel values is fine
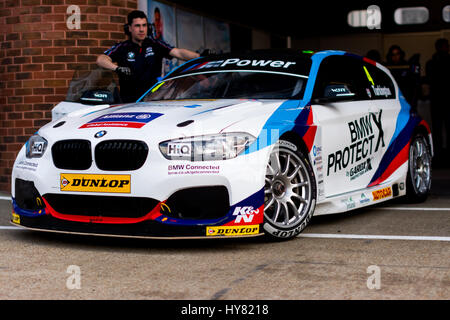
(138, 60)
(438, 77)
(406, 74)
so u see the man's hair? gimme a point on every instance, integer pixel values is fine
(136, 14)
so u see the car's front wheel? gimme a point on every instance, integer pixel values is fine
(418, 183)
(289, 192)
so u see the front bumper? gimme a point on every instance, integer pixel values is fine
(158, 193)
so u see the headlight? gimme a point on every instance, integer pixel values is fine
(35, 147)
(207, 147)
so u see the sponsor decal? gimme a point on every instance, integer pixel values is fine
(130, 56)
(164, 208)
(39, 202)
(27, 165)
(178, 149)
(382, 193)
(15, 218)
(37, 148)
(339, 90)
(236, 62)
(382, 91)
(101, 95)
(122, 120)
(244, 214)
(318, 160)
(232, 231)
(359, 169)
(363, 199)
(369, 77)
(181, 169)
(317, 150)
(349, 203)
(317, 157)
(149, 52)
(95, 183)
(249, 211)
(158, 86)
(363, 144)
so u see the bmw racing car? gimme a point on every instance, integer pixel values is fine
(227, 145)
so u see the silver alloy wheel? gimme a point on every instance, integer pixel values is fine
(421, 165)
(287, 190)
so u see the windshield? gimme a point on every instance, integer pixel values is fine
(230, 85)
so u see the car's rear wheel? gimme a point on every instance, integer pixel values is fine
(289, 192)
(418, 183)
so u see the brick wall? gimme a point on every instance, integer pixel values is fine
(37, 57)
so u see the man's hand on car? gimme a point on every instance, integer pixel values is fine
(207, 52)
(125, 71)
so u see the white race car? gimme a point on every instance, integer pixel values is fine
(227, 145)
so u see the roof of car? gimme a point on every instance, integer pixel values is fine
(292, 61)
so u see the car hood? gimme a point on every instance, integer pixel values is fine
(162, 120)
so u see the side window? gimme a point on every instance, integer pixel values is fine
(342, 75)
(381, 84)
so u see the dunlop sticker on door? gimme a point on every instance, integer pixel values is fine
(120, 183)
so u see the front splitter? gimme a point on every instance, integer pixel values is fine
(144, 230)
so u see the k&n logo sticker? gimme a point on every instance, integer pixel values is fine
(120, 183)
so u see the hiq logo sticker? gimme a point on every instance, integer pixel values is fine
(179, 149)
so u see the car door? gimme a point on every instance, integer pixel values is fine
(341, 105)
(385, 110)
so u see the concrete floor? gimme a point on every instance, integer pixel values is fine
(36, 265)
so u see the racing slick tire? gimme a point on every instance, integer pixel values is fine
(289, 192)
(418, 181)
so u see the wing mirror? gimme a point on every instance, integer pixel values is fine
(335, 93)
(96, 97)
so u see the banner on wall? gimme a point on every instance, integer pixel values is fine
(186, 30)
(162, 17)
(217, 35)
(190, 32)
